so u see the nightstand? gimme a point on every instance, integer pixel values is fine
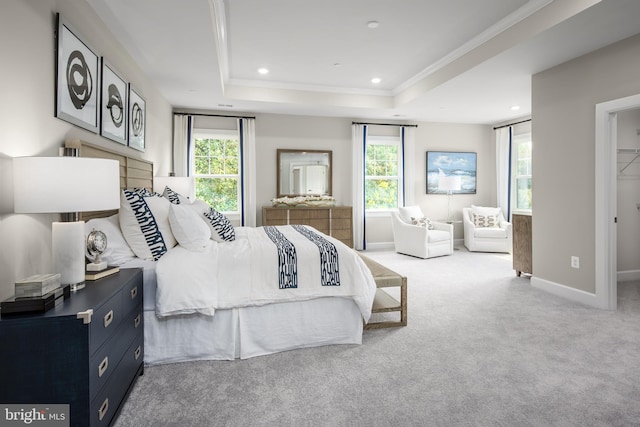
(86, 352)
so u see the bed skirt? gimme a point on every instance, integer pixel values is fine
(246, 332)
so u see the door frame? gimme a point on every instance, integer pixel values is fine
(606, 144)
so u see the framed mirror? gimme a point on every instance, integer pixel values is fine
(304, 172)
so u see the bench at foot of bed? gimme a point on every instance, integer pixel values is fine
(384, 302)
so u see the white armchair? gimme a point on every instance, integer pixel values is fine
(419, 241)
(489, 233)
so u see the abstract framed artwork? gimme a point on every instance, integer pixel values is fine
(137, 119)
(458, 168)
(77, 79)
(113, 114)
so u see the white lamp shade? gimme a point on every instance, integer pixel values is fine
(65, 184)
(449, 183)
(183, 185)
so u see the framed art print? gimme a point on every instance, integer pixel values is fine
(457, 168)
(113, 114)
(137, 119)
(77, 79)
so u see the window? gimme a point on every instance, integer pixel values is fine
(521, 172)
(217, 169)
(383, 174)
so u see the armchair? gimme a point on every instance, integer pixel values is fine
(489, 235)
(419, 241)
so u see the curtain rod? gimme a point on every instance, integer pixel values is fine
(179, 113)
(511, 124)
(384, 124)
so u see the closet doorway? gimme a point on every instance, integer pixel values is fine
(628, 210)
(607, 169)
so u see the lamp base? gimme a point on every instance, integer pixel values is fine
(68, 247)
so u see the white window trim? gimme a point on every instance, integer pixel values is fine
(220, 134)
(388, 140)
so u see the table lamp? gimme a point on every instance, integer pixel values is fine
(66, 185)
(449, 184)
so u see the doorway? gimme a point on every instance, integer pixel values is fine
(606, 198)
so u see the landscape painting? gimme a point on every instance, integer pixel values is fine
(451, 164)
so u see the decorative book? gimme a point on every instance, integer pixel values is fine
(37, 285)
(95, 275)
(40, 304)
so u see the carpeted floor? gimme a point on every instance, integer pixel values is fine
(482, 348)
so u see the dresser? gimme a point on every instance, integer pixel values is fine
(86, 352)
(335, 221)
(521, 243)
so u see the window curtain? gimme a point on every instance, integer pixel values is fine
(359, 144)
(182, 131)
(503, 169)
(247, 133)
(408, 164)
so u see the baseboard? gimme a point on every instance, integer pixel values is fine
(380, 246)
(628, 275)
(566, 292)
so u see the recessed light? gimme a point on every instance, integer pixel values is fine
(373, 24)
(515, 108)
(263, 71)
(376, 80)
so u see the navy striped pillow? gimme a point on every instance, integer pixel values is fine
(222, 229)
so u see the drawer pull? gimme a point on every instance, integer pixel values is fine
(137, 353)
(136, 321)
(103, 409)
(108, 318)
(103, 366)
(134, 293)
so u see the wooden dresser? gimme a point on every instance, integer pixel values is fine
(521, 244)
(335, 221)
(86, 352)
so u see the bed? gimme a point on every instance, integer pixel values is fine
(225, 300)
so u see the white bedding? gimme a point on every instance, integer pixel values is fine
(244, 273)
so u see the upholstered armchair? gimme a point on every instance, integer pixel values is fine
(427, 240)
(486, 230)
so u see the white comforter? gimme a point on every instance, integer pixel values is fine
(245, 273)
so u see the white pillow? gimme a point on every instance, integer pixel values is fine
(144, 221)
(221, 228)
(201, 207)
(118, 251)
(188, 227)
(485, 221)
(485, 211)
(422, 222)
(408, 212)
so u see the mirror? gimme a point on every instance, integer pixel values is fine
(304, 173)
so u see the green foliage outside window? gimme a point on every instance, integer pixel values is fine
(217, 172)
(381, 176)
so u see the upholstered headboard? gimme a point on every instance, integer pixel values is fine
(134, 172)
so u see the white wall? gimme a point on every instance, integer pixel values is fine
(628, 194)
(28, 126)
(563, 131)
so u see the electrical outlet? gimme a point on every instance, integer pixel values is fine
(575, 262)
